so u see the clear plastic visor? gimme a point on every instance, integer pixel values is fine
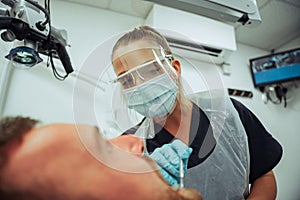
(141, 65)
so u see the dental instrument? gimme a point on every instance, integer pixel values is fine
(181, 173)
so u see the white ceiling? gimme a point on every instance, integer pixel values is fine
(280, 20)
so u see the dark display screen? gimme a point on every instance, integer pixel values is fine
(276, 68)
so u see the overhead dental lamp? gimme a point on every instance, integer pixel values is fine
(29, 23)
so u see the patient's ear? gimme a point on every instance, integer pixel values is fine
(3, 160)
(7, 148)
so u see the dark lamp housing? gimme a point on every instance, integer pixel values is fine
(23, 56)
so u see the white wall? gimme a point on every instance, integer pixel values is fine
(5, 73)
(291, 45)
(38, 94)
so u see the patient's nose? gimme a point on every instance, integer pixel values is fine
(129, 143)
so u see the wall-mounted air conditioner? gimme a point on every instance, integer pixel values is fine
(244, 12)
(193, 36)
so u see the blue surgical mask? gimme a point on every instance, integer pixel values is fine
(154, 98)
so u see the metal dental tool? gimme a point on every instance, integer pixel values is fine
(180, 177)
(181, 174)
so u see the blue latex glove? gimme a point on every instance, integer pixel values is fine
(167, 158)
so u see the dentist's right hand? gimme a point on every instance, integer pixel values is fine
(167, 158)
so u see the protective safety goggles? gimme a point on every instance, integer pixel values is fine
(144, 72)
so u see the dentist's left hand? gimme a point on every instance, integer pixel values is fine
(167, 158)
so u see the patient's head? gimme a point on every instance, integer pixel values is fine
(67, 161)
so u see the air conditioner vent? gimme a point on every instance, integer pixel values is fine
(197, 48)
(233, 11)
(193, 36)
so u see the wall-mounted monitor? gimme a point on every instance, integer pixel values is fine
(276, 68)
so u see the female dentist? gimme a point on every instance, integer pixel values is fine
(228, 146)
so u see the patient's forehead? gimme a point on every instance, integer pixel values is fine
(59, 142)
(39, 140)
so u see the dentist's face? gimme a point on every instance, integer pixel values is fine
(64, 161)
(124, 61)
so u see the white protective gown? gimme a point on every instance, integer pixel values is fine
(225, 173)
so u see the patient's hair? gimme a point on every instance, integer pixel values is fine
(12, 127)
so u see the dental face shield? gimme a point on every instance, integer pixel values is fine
(148, 81)
(139, 66)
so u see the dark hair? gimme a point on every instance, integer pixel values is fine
(11, 127)
(143, 33)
